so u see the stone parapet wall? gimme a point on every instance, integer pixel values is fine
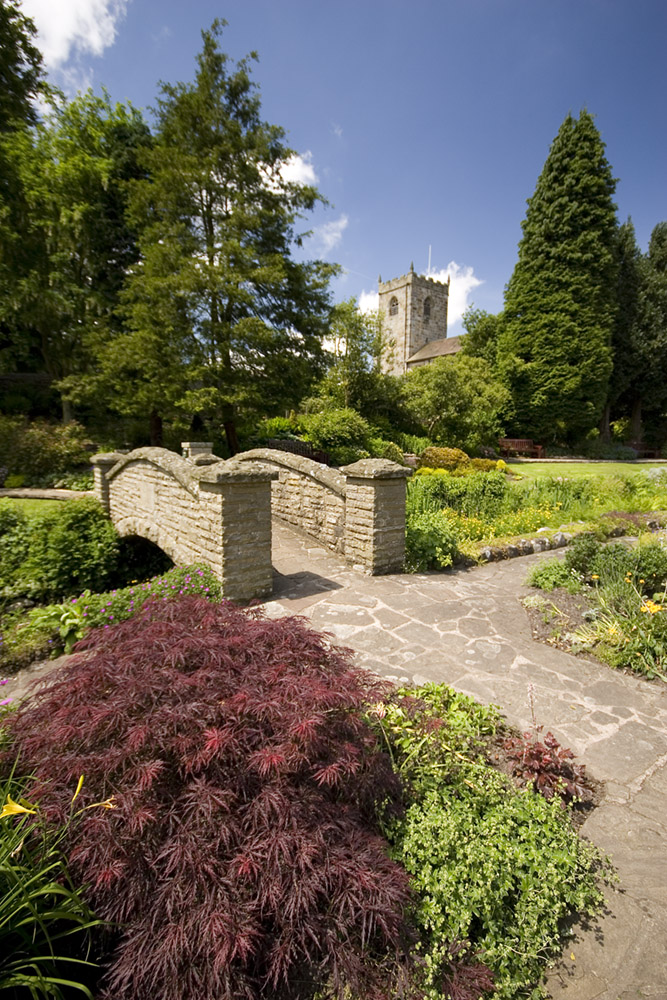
(306, 494)
(219, 513)
(357, 511)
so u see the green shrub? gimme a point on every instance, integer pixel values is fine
(554, 573)
(276, 427)
(14, 482)
(582, 553)
(14, 541)
(443, 458)
(478, 494)
(493, 866)
(430, 541)
(411, 443)
(336, 428)
(484, 464)
(40, 449)
(72, 547)
(381, 448)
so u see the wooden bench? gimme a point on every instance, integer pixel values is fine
(520, 446)
(643, 451)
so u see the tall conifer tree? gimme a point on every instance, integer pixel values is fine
(555, 349)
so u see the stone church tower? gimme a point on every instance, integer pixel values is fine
(414, 315)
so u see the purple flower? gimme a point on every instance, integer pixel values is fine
(4, 680)
(6, 701)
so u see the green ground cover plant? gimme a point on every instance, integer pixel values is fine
(495, 867)
(627, 591)
(483, 507)
(55, 628)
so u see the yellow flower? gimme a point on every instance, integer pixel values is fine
(78, 788)
(12, 808)
(595, 577)
(107, 804)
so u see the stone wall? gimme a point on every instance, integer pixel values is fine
(219, 515)
(306, 494)
(357, 511)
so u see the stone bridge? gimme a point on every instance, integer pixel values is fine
(197, 508)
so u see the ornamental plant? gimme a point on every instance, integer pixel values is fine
(496, 869)
(44, 921)
(243, 855)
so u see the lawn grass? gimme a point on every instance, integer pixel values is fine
(31, 507)
(570, 469)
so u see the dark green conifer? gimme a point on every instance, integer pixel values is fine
(555, 348)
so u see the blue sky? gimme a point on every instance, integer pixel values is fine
(426, 123)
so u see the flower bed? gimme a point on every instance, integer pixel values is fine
(484, 515)
(626, 592)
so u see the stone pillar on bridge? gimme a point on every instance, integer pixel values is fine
(375, 515)
(243, 495)
(102, 463)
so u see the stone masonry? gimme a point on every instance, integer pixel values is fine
(414, 313)
(201, 509)
(357, 511)
(219, 515)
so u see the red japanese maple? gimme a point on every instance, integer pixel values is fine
(242, 857)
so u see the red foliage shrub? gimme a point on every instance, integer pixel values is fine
(547, 766)
(241, 856)
(465, 977)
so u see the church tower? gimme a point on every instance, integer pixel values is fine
(414, 315)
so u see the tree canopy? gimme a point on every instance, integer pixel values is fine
(216, 289)
(457, 401)
(21, 74)
(555, 346)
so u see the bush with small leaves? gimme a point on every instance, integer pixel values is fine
(242, 857)
(443, 458)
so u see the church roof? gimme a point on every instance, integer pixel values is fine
(435, 349)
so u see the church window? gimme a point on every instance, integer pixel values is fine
(393, 306)
(427, 308)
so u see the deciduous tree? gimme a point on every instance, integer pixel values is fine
(457, 401)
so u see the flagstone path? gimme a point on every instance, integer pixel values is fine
(468, 629)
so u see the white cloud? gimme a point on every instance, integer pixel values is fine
(330, 234)
(369, 302)
(463, 281)
(299, 169)
(337, 130)
(161, 35)
(68, 30)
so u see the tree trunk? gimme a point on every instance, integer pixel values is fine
(155, 429)
(636, 421)
(605, 429)
(68, 410)
(232, 439)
